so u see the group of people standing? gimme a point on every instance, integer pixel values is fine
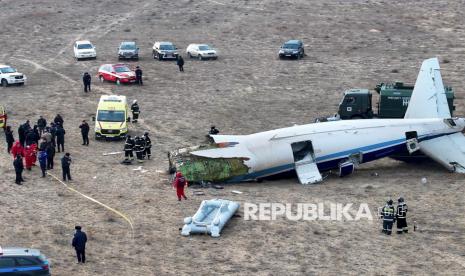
(140, 145)
(390, 214)
(39, 142)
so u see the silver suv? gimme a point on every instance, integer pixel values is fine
(164, 50)
(23, 261)
(128, 50)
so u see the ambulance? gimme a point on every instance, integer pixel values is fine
(3, 117)
(111, 120)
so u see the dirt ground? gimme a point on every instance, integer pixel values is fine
(348, 44)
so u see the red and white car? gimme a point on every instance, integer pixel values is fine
(119, 73)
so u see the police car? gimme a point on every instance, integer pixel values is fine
(23, 261)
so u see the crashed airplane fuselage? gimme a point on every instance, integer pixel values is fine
(342, 145)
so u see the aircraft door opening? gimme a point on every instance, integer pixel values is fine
(305, 165)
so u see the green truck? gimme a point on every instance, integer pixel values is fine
(393, 102)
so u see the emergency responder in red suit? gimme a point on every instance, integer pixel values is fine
(30, 156)
(180, 183)
(17, 149)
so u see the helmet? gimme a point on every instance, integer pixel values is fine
(389, 202)
(135, 101)
(146, 133)
(401, 199)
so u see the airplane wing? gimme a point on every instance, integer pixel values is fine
(428, 97)
(448, 150)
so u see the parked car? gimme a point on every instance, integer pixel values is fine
(84, 49)
(292, 49)
(23, 261)
(9, 75)
(128, 50)
(119, 73)
(164, 50)
(201, 51)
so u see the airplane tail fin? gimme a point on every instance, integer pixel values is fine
(429, 97)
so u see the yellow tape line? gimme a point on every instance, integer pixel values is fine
(126, 218)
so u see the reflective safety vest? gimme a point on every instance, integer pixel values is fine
(388, 213)
(402, 210)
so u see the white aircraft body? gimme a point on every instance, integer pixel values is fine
(343, 145)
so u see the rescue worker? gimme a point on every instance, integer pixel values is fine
(65, 166)
(41, 123)
(60, 136)
(148, 145)
(28, 157)
(139, 75)
(401, 215)
(179, 183)
(58, 120)
(17, 149)
(50, 155)
(43, 161)
(128, 148)
(18, 164)
(79, 244)
(213, 130)
(86, 79)
(135, 111)
(85, 133)
(9, 138)
(180, 63)
(139, 148)
(388, 215)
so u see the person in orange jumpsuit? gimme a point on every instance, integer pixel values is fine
(180, 182)
(30, 156)
(17, 149)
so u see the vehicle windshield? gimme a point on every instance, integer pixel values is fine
(291, 46)
(110, 116)
(128, 46)
(7, 70)
(204, 47)
(85, 46)
(122, 69)
(167, 47)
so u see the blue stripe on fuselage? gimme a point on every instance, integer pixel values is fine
(370, 153)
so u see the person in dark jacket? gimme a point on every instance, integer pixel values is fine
(85, 133)
(139, 148)
(60, 137)
(22, 131)
(128, 148)
(86, 79)
(388, 214)
(50, 155)
(41, 123)
(58, 120)
(43, 162)
(180, 63)
(79, 244)
(139, 75)
(401, 216)
(30, 137)
(135, 111)
(213, 130)
(19, 167)
(9, 138)
(148, 145)
(53, 132)
(65, 166)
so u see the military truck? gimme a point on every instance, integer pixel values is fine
(393, 102)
